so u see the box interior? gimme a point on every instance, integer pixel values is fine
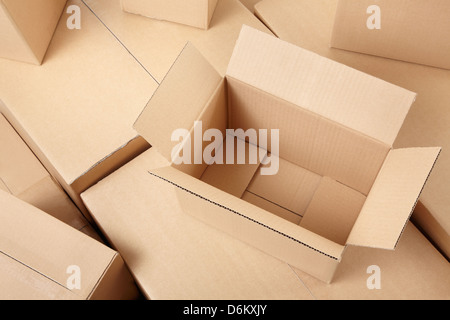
(325, 169)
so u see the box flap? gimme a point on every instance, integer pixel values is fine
(179, 100)
(332, 90)
(393, 197)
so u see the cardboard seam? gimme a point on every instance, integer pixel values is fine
(243, 216)
(118, 40)
(36, 271)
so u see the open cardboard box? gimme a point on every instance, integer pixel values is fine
(39, 254)
(22, 175)
(339, 182)
(27, 27)
(309, 24)
(196, 13)
(409, 30)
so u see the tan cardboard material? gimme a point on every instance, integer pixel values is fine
(174, 256)
(409, 30)
(414, 271)
(38, 255)
(309, 24)
(22, 175)
(311, 97)
(76, 110)
(27, 28)
(157, 44)
(196, 13)
(250, 4)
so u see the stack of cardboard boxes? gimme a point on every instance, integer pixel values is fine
(90, 97)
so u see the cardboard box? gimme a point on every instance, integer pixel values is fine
(27, 28)
(91, 89)
(309, 24)
(41, 259)
(172, 255)
(196, 13)
(408, 30)
(22, 175)
(76, 110)
(323, 110)
(157, 44)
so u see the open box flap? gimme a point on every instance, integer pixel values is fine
(393, 198)
(179, 100)
(193, 191)
(354, 99)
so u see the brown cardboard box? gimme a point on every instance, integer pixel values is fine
(196, 13)
(174, 256)
(309, 24)
(409, 30)
(42, 258)
(76, 110)
(22, 175)
(337, 126)
(26, 28)
(157, 44)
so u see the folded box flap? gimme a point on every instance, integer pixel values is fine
(352, 98)
(393, 198)
(179, 100)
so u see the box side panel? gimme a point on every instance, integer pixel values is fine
(413, 31)
(308, 140)
(116, 283)
(37, 21)
(13, 44)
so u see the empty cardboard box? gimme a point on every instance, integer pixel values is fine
(336, 129)
(27, 27)
(196, 13)
(22, 175)
(309, 24)
(409, 30)
(42, 258)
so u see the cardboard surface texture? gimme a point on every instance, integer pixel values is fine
(319, 117)
(27, 28)
(157, 44)
(408, 30)
(196, 13)
(76, 110)
(172, 255)
(37, 253)
(22, 175)
(309, 24)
